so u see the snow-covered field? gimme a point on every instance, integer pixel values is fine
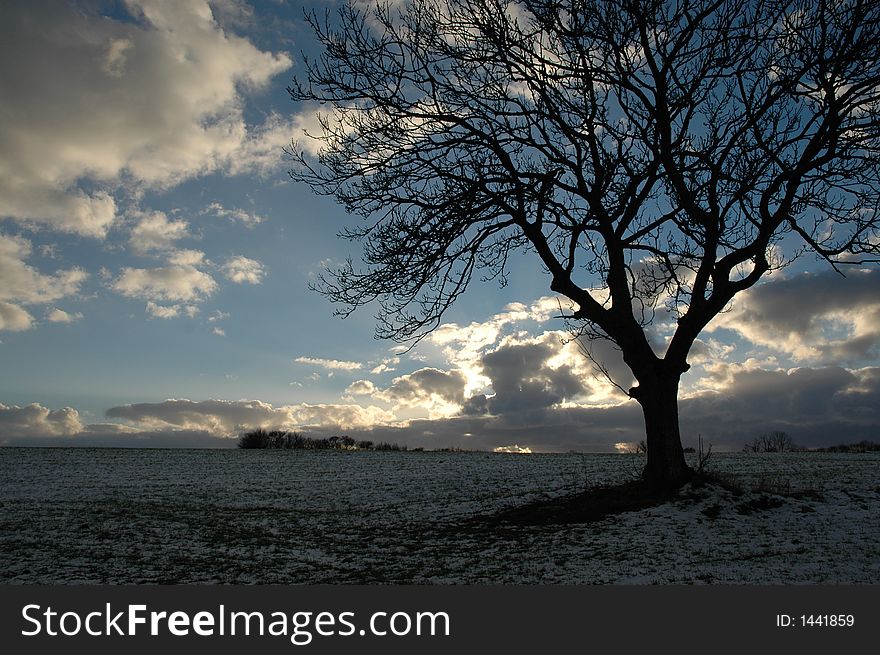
(207, 516)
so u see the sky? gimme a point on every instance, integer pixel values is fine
(155, 262)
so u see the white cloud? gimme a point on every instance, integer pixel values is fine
(155, 232)
(340, 416)
(228, 417)
(34, 420)
(162, 311)
(386, 365)
(140, 103)
(242, 270)
(263, 151)
(330, 364)
(247, 218)
(187, 257)
(439, 392)
(14, 318)
(60, 316)
(174, 283)
(22, 284)
(515, 448)
(220, 332)
(361, 388)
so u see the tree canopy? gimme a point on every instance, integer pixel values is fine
(651, 153)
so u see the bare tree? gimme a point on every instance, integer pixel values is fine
(770, 442)
(654, 155)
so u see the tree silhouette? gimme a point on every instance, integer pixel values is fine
(652, 154)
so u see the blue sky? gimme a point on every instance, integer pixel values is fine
(155, 260)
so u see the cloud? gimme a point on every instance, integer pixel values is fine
(330, 364)
(34, 420)
(816, 406)
(334, 417)
(143, 103)
(25, 285)
(263, 151)
(242, 270)
(14, 318)
(60, 316)
(439, 392)
(387, 365)
(523, 380)
(155, 232)
(111, 435)
(220, 332)
(222, 417)
(811, 317)
(170, 311)
(173, 283)
(360, 388)
(247, 218)
(228, 418)
(515, 448)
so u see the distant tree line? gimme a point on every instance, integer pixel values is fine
(284, 440)
(860, 447)
(779, 442)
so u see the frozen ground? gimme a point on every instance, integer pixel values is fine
(207, 516)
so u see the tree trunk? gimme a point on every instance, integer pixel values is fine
(666, 468)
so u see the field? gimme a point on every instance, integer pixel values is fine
(226, 516)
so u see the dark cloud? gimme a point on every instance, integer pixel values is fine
(105, 437)
(820, 316)
(523, 381)
(426, 383)
(817, 407)
(218, 416)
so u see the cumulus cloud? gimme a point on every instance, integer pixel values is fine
(154, 231)
(34, 420)
(463, 346)
(14, 318)
(227, 418)
(219, 416)
(147, 102)
(360, 388)
(60, 316)
(330, 364)
(242, 270)
(170, 311)
(816, 406)
(387, 365)
(176, 282)
(439, 392)
(25, 285)
(811, 317)
(245, 217)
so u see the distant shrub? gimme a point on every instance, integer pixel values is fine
(254, 439)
